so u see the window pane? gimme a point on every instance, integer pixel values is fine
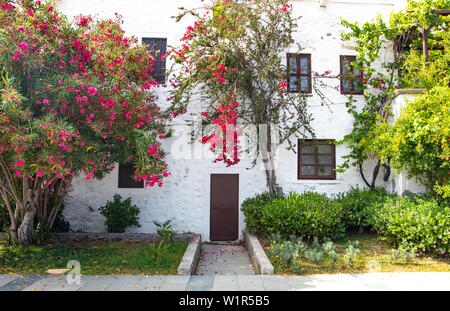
(308, 170)
(325, 148)
(345, 66)
(308, 159)
(309, 149)
(304, 84)
(304, 64)
(325, 159)
(293, 63)
(346, 85)
(293, 86)
(325, 171)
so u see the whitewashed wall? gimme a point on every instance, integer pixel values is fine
(185, 194)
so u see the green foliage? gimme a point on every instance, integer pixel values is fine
(307, 214)
(415, 223)
(358, 205)
(252, 209)
(120, 214)
(407, 30)
(418, 142)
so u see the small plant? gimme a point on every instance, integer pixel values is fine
(158, 250)
(165, 230)
(351, 254)
(313, 255)
(328, 248)
(120, 214)
(403, 254)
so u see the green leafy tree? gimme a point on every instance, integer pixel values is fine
(418, 142)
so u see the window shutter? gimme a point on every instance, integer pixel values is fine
(157, 47)
(126, 173)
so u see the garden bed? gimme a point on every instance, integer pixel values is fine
(375, 256)
(95, 257)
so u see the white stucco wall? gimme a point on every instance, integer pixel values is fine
(185, 194)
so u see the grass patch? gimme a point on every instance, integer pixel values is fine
(374, 257)
(95, 257)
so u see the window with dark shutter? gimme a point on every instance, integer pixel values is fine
(316, 159)
(126, 173)
(350, 76)
(157, 47)
(299, 79)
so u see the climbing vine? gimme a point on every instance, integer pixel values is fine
(418, 37)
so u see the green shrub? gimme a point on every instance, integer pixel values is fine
(415, 222)
(252, 209)
(358, 205)
(120, 214)
(307, 214)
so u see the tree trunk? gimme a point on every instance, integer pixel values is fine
(26, 227)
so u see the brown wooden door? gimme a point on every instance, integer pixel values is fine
(224, 215)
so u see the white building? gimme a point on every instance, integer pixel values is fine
(188, 195)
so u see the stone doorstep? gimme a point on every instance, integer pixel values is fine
(191, 256)
(257, 254)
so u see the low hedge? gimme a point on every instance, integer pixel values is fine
(415, 222)
(307, 214)
(358, 205)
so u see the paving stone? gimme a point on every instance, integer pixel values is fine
(174, 283)
(96, 282)
(124, 283)
(53, 283)
(21, 282)
(335, 282)
(250, 283)
(299, 283)
(151, 283)
(274, 283)
(200, 283)
(224, 259)
(6, 278)
(225, 283)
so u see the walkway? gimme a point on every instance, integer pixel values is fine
(224, 259)
(335, 282)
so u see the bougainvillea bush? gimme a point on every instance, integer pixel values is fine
(415, 222)
(309, 214)
(76, 98)
(232, 58)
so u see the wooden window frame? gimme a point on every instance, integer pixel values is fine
(299, 74)
(125, 181)
(161, 76)
(351, 58)
(316, 154)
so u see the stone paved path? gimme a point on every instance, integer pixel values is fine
(224, 259)
(403, 281)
